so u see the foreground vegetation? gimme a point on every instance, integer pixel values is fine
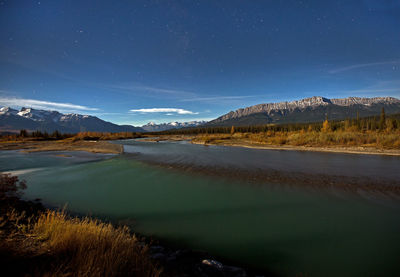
(41, 242)
(74, 246)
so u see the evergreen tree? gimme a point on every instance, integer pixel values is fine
(23, 133)
(56, 134)
(358, 121)
(382, 123)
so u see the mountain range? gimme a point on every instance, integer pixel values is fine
(12, 120)
(312, 109)
(153, 127)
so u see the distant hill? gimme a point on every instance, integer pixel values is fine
(308, 110)
(12, 120)
(153, 127)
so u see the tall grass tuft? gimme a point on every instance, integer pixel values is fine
(88, 247)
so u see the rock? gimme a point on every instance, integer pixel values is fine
(224, 270)
(158, 256)
(213, 263)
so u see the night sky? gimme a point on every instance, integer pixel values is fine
(133, 62)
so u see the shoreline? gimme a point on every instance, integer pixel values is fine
(334, 149)
(360, 150)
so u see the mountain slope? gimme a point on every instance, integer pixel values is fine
(308, 110)
(50, 121)
(11, 121)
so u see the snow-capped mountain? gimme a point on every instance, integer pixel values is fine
(153, 127)
(40, 115)
(49, 121)
(8, 111)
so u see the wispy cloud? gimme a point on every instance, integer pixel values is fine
(361, 65)
(40, 104)
(163, 110)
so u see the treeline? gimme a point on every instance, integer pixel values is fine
(38, 135)
(373, 123)
(56, 135)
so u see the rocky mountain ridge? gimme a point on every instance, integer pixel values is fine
(315, 108)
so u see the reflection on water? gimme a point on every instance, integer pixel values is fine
(371, 166)
(285, 229)
(377, 174)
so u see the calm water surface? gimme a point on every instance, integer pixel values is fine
(284, 229)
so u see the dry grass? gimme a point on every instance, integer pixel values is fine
(371, 139)
(76, 247)
(88, 247)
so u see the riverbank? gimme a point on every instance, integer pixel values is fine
(94, 146)
(243, 140)
(330, 149)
